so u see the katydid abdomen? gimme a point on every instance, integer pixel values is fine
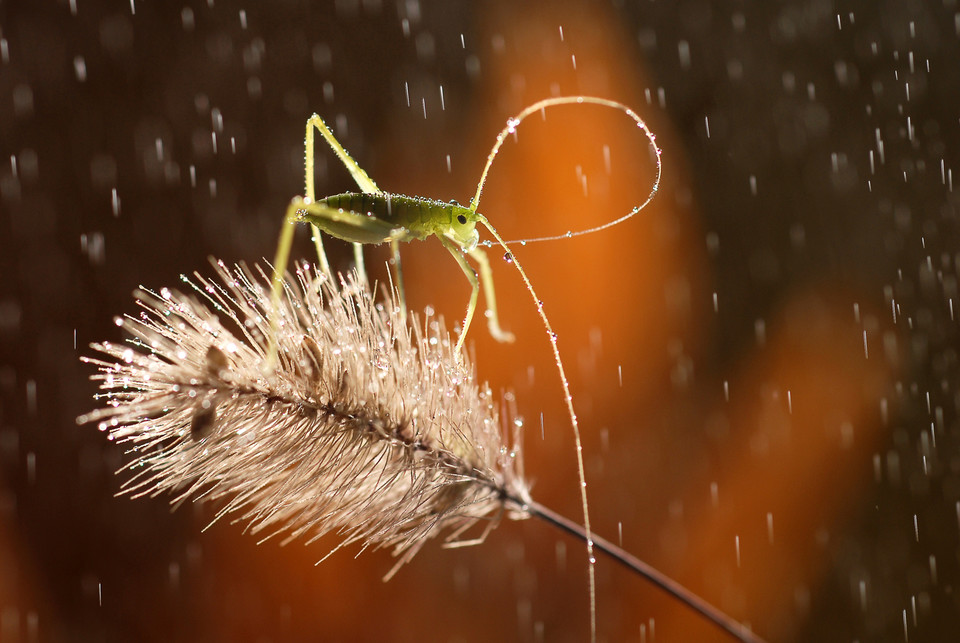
(389, 216)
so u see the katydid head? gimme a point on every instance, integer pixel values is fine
(463, 227)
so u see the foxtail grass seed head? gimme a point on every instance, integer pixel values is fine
(364, 426)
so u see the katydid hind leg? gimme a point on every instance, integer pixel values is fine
(359, 175)
(363, 180)
(346, 225)
(310, 196)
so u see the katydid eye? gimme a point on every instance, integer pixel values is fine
(462, 219)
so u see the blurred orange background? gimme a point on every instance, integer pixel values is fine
(739, 381)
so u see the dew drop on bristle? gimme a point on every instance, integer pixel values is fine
(508, 257)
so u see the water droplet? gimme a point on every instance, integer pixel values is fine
(115, 202)
(80, 68)
(512, 125)
(508, 257)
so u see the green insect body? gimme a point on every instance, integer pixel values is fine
(373, 216)
(395, 217)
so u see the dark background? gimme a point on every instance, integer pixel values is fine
(818, 395)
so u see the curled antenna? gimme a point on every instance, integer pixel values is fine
(511, 128)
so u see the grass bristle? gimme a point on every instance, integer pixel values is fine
(365, 426)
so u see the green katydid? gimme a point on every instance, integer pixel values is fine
(374, 216)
